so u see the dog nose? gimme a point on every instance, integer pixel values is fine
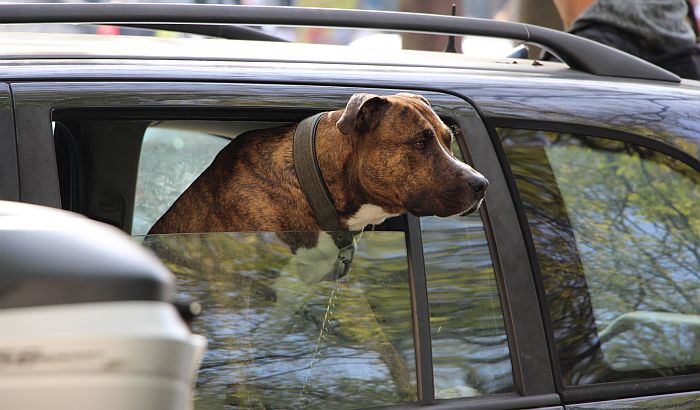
(478, 184)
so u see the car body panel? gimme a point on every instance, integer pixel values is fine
(663, 112)
(682, 401)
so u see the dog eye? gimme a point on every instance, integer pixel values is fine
(419, 145)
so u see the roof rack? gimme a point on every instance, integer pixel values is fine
(577, 52)
(227, 31)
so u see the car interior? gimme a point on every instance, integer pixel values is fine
(100, 163)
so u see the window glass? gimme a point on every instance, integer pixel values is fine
(470, 346)
(173, 154)
(616, 229)
(280, 336)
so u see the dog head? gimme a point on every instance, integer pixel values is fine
(403, 160)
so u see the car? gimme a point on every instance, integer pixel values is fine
(575, 286)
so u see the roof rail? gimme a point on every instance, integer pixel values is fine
(577, 52)
(227, 31)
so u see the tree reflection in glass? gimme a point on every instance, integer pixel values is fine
(616, 228)
(279, 338)
(470, 346)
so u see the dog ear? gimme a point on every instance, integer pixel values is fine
(362, 112)
(414, 96)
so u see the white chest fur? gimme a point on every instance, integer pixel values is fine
(368, 214)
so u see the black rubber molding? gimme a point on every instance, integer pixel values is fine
(579, 53)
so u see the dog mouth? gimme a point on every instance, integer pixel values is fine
(449, 200)
(473, 208)
(455, 212)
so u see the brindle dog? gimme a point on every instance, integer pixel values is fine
(379, 157)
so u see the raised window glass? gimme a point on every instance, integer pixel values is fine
(616, 227)
(470, 346)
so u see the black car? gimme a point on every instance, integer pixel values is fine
(576, 286)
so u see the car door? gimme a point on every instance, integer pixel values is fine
(612, 222)
(436, 311)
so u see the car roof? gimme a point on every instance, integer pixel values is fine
(37, 46)
(577, 52)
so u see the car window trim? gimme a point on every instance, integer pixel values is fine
(679, 400)
(601, 391)
(504, 401)
(631, 389)
(9, 167)
(592, 131)
(420, 310)
(527, 338)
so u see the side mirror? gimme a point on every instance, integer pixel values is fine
(87, 318)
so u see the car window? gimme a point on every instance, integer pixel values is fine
(282, 334)
(470, 346)
(616, 228)
(173, 154)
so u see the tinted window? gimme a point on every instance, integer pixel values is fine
(280, 336)
(470, 346)
(616, 229)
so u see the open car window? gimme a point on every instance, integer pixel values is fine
(172, 155)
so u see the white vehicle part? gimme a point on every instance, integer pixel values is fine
(105, 355)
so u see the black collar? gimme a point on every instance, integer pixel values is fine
(317, 194)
